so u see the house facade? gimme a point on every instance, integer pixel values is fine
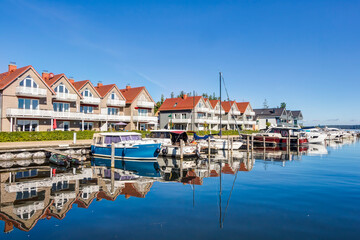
(47, 102)
(198, 113)
(277, 117)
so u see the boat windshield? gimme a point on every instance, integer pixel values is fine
(112, 139)
(130, 138)
(159, 135)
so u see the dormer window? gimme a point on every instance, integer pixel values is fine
(87, 93)
(61, 89)
(28, 82)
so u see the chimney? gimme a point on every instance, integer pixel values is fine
(99, 84)
(71, 80)
(45, 75)
(185, 96)
(12, 66)
(128, 87)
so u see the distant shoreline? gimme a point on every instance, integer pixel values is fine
(337, 126)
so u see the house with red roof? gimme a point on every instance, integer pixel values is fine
(187, 113)
(26, 100)
(247, 117)
(140, 107)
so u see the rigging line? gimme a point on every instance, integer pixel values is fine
(228, 201)
(232, 110)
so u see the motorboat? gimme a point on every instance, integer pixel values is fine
(170, 140)
(128, 145)
(280, 135)
(217, 143)
(315, 136)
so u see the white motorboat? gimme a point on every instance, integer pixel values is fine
(170, 140)
(217, 143)
(314, 136)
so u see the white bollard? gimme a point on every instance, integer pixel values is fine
(74, 139)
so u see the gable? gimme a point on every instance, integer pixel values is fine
(64, 81)
(117, 93)
(91, 88)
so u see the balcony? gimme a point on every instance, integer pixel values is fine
(145, 119)
(202, 109)
(180, 120)
(91, 100)
(145, 104)
(65, 97)
(31, 92)
(235, 112)
(252, 114)
(115, 102)
(216, 111)
(15, 112)
(68, 115)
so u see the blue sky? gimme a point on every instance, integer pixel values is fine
(304, 53)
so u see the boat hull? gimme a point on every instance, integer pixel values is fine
(143, 151)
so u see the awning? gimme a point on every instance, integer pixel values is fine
(120, 124)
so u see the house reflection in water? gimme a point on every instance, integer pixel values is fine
(27, 196)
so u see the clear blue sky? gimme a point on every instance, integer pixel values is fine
(304, 53)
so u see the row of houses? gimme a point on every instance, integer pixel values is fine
(33, 102)
(198, 113)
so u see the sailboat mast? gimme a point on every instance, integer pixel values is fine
(220, 133)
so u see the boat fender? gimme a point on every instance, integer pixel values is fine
(197, 152)
(165, 151)
(158, 150)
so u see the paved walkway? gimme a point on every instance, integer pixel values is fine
(39, 144)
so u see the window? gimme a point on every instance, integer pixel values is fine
(61, 89)
(143, 112)
(27, 103)
(112, 139)
(86, 109)
(87, 93)
(61, 107)
(28, 82)
(113, 96)
(113, 111)
(27, 125)
(88, 126)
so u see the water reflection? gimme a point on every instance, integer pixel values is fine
(30, 194)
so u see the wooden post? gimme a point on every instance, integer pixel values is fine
(209, 150)
(232, 144)
(112, 155)
(264, 144)
(298, 144)
(252, 142)
(181, 149)
(247, 143)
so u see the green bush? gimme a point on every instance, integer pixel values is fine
(43, 136)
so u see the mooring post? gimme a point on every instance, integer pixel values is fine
(74, 138)
(252, 142)
(247, 143)
(209, 150)
(232, 144)
(181, 158)
(112, 155)
(264, 144)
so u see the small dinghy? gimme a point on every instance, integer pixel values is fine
(63, 160)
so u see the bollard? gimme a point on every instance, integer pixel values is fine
(74, 139)
(112, 155)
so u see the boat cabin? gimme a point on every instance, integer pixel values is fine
(285, 132)
(117, 137)
(174, 135)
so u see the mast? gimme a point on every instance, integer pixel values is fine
(220, 133)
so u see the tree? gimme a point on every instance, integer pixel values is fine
(283, 105)
(172, 95)
(265, 104)
(159, 103)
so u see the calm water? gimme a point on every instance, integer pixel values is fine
(314, 195)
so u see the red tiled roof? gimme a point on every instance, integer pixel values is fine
(7, 77)
(179, 103)
(242, 106)
(78, 85)
(131, 93)
(226, 106)
(104, 89)
(214, 102)
(52, 80)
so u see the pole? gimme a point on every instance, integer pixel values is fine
(193, 118)
(220, 133)
(74, 138)
(209, 149)
(247, 143)
(112, 155)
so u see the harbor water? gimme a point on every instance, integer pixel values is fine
(272, 194)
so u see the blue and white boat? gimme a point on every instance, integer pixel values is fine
(128, 145)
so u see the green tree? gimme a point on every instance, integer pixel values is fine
(283, 105)
(265, 104)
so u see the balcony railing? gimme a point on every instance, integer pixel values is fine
(15, 112)
(65, 97)
(202, 109)
(145, 104)
(33, 92)
(145, 119)
(90, 100)
(115, 102)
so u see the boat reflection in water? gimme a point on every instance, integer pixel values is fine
(32, 193)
